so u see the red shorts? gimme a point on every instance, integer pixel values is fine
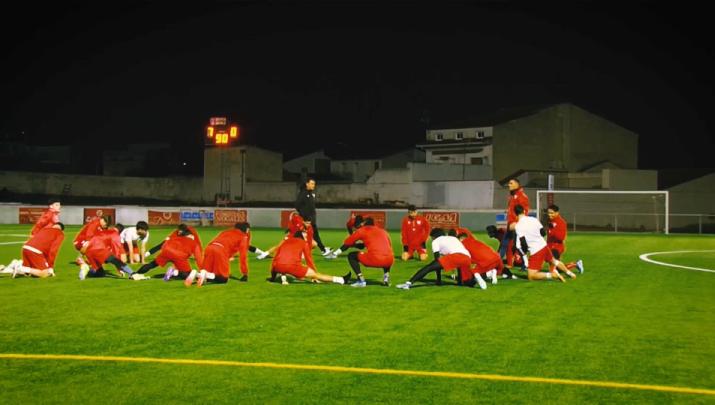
(370, 260)
(411, 249)
(216, 261)
(97, 257)
(180, 263)
(485, 267)
(536, 261)
(34, 260)
(295, 270)
(456, 261)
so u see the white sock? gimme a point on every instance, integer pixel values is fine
(548, 276)
(210, 276)
(175, 273)
(570, 273)
(338, 280)
(24, 269)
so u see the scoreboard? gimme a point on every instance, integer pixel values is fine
(220, 132)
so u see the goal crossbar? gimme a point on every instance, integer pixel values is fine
(665, 194)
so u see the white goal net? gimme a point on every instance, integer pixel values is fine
(603, 210)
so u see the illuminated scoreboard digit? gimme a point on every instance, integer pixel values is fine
(220, 133)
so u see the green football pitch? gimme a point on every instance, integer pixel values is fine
(625, 331)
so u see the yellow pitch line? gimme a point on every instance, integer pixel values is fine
(361, 370)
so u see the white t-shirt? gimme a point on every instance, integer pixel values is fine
(530, 229)
(447, 245)
(129, 235)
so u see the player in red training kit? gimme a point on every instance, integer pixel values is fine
(487, 262)
(378, 251)
(415, 231)
(177, 249)
(176, 231)
(216, 267)
(556, 236)
(104, 247)
(517, 196)
(48, 218)
(295, 224)
(289, 257)
(86, 233)
(39, 253)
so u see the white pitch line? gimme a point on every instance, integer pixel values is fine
(644, 257)
(15, 234)
(11, 243)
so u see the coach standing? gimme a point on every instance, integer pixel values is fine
(305, 205)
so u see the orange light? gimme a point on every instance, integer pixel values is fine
(234, 131)
(210, 132)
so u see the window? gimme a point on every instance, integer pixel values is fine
(480, 134)
(460, 135)
(440, 137)
(477, 161)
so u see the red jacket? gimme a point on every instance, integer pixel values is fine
(48, 241)
(376, 240)
(48, 218)
(191, 229)
(415, 231)
(88, 230)
(183, 247)
(557, 231)
(480, 252)
(234, 241)
(291, 252)
(518, 197)
(106, 239)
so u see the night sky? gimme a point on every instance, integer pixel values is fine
(363, 75)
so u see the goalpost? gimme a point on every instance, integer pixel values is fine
(606, 210)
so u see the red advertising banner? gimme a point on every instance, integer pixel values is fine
(377, 216)
(284, 218)
(442, 219)
(229, 217)
(91, 213)
(164, 217)
(30, 215)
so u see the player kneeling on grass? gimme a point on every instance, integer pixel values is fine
(556, 239)
(486, 261)
(39, 253)
(134, 240)
(177, 249)
(104, 247)
(449, 254)
(288, 260)
(218, 253)
(86, 233)
(530, 240)
(378, 251)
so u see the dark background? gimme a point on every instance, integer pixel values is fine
(299, 77)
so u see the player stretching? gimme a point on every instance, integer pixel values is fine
(216, 266)
(134, 240)
(530, 240)
(177, 249)
(449, 254)
(104, 247)
(288, 260)
(39, 253)
(556, 238)
(86, 233)
(50, 217)
(487, 262)
(379, 251)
